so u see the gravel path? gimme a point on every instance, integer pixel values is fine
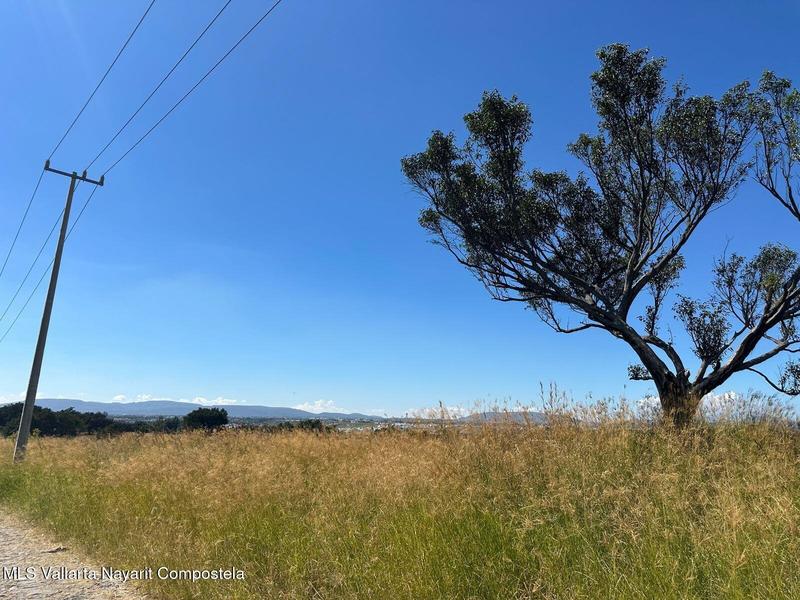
(45, 558)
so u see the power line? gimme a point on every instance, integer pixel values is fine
(24, 306)
(33, 264)
(55, 149)
(102, 79)
(194, 87)
(30, 269)
(63, 137)
(21, 223)
(160, 83)
(46, 271)
(141, 139)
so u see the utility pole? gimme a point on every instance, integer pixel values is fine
(36, 369)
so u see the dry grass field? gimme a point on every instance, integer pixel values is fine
(486, 512)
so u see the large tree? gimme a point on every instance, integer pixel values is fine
(594, 244)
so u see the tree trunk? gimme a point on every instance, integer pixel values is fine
(679, 403)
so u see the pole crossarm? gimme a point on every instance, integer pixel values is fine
(82, 177)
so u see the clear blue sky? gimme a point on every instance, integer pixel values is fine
(262, 245)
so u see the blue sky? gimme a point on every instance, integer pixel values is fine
(262, 246)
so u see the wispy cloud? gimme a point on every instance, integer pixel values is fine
(714, 402)
(12, 398)
(721, 402)
(320, 406)
(376, 412)
(196, 400)
(217, 400)
(148, 398)
(448, 412)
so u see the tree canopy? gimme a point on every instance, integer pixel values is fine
(206, 418)
(592, 244)
(69, 422)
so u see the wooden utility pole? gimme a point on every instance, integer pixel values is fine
(36, 369)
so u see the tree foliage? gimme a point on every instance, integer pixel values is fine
(48, 422)
(51, 423)
(69, 422)
(593, 244)
(778, 112)
(206, 418)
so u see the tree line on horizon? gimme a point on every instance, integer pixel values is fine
(70, 422)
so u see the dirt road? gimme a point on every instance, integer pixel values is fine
(34, 565)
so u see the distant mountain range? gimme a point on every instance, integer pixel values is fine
(170, 408)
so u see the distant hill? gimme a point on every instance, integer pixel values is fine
(536, 418)
(169, 408)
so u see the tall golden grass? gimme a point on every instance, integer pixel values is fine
(501, 511)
